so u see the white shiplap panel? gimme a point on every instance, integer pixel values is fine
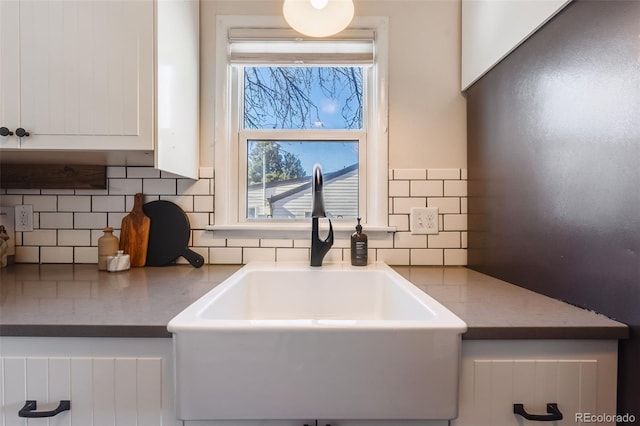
(501, 391)
(59, 388)
(482, 393)
(37, 379)
(149, 380)
(104, 406)
(15, 390)
(588, 388)
(125, 391)
(568, 376)
(81, 391)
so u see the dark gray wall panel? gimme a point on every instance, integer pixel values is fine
(554, 168)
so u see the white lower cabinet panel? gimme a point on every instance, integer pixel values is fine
(114, 382)
(578, 376)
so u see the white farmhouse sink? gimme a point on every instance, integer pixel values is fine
(291, 341)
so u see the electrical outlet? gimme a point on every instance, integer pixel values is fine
(24, 217)
(424, 220)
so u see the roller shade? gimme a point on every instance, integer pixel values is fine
(283, 46)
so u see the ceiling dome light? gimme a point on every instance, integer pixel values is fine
(318, 18)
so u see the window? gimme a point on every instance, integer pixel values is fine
(292, 102)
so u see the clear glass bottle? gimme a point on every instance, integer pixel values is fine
(359, 247)
(107, 246)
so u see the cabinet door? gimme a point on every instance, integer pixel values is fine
(580, 377)
(102, 391)
(9, 70)
(86, 75)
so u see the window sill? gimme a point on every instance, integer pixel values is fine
(293, 230)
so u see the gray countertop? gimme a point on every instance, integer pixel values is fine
(80, 301)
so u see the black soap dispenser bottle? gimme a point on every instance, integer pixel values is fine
(359, 247)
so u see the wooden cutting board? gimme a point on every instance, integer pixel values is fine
(134, 234)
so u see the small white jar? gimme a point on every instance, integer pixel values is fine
(119, 262)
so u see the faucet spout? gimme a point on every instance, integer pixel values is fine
(319, 248)
(317, 209)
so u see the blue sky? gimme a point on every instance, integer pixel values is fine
(331, 155)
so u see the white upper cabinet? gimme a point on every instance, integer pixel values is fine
(86, 75)
(491, 29)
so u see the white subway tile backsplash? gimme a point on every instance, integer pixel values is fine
(394, 256)
(114, 219)
(427, 188)
(89, 220)
(57, 191)
(42, 203)
(23, 191)
(225, 255)
(292, 254)
(142, 172)
(159, 186)
(403, 205)
(444, 240)
(74, 237)
(455, 222)
(380, 241)
(455, 257)
(430, 256)
(56, 254)
(10, 200)
(203, 203)
(124, 186)
(185, 202)
(262, 254)
(455, 188)
(399, 188)
(67, 223)
(74, 203)
(107, 203)
(193, 187)
(276, 242)
(92, 192)
(202, 238)
(116, 172)
(243, 242)
(85, 254)
(206, 173)
(409, 174)
(27, 254)
(444, 174)
(399, 221)
(409, 240)
(445, 204)
(56, 220)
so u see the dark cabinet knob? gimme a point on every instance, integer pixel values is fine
(5, 132)
(20, 132)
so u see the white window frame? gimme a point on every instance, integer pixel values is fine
(230, 202)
